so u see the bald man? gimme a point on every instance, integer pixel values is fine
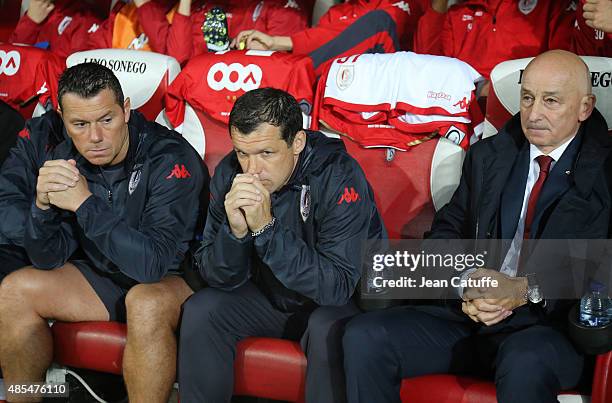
(555, 151)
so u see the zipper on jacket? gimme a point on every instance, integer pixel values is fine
(108, 187)
(495, 15)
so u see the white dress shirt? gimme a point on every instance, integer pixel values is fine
(510, 264)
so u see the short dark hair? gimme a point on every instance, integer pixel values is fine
(87, 80)
(267, 105)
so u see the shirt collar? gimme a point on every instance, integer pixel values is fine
(555, 154)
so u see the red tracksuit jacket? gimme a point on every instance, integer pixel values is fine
(589, 41)
(66, 28)
(484, 33)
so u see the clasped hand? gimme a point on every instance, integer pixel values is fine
(60, 184)
(247, 205)
(491, 305)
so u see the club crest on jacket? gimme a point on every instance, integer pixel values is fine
(134, 179)
(305, 202)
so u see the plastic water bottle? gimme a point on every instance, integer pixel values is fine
(595, 306)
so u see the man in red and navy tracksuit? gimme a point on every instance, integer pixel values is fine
(354, 27)
(107, 217)
(286, 232)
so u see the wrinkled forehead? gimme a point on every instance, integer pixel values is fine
(561, 72)
(263, 132)
(542, 80)
(74, 106)
(254, 143)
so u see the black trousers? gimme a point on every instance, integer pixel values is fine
(12, 258)
(214, 321)
(532, 364)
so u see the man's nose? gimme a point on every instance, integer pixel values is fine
(535, 112)
(253, 165)
(95, 133)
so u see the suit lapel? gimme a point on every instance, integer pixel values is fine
(514, 193)
(558, 182)
(496, 170)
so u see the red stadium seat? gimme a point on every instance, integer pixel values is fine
(92, 345)
(410, 186)
(275, 369)
(208, 136)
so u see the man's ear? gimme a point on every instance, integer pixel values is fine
(299, 142)
(127, 108)
(587, 104)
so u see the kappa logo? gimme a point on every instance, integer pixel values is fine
(234, 77)
(9, 62)
(349, 196)
(24, 134)
(402, 5)
(463, 104)
(292, 4)
(43, 89)
(438, 95)
(179, 172)
(139, 43)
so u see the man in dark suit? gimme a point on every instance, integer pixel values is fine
(546, 175)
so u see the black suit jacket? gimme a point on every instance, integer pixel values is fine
(573, 205)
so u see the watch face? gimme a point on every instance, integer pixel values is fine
(534, 295)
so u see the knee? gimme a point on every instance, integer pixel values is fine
(200, 312)
(520, 365)
(324, 321)
(150, 305)
(21, 285)
(363, 340)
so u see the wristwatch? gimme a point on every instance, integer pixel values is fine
(533, 294)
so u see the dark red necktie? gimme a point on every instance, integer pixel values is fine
(544, 161)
